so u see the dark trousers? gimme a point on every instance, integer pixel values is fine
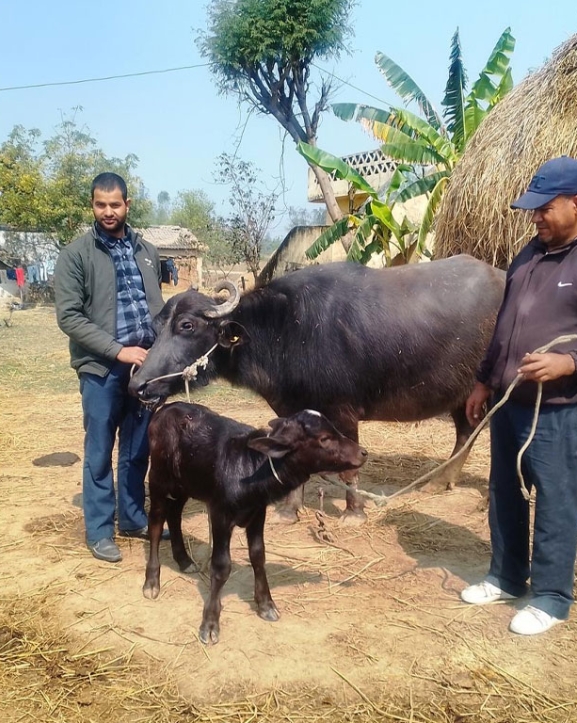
(108, 409)
(550, 465)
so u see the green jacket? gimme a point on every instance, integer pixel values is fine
(85, 290)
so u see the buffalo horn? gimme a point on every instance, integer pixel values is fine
(227, 306)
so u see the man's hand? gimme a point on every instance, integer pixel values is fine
(475, 404)
(546, 367)
(132, 355)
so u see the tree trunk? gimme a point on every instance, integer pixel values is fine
(333, 209)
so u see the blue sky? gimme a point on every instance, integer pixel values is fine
(177, 123)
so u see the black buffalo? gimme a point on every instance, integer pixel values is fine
(396, 344)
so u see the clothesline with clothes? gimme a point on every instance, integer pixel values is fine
(38, 272)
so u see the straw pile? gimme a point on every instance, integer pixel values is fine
(535, 122)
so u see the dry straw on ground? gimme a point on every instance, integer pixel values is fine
(535, 122)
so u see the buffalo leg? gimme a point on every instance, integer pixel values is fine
(265, 606)
(286, 511)
(156, 518)
(450, 475)
(354, 513)
(220, 567)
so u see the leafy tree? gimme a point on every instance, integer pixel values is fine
(264, 50)
(431, 144)
(194, 210)
(46, 187)
(253, 209)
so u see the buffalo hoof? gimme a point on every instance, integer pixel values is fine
(209, 633)
(188, 566)
(268, 612)
(150, 590)
(437, 485)
(353, 518)
(282, 516)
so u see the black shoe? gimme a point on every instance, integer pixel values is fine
(141, 533)
(106, 550)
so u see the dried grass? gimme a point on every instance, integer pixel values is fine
(534, 123)
(45, 676)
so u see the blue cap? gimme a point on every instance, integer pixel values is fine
(557, 177)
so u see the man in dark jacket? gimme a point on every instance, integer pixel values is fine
(107, 285)
(540, 305)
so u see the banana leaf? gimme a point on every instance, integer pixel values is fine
(402, 83)
(336, 165)
(327, 238)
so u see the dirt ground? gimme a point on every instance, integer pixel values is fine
(371, 624)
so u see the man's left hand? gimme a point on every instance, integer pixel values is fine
(546, 367)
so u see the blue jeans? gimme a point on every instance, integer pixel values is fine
(550, 465)
(109, 408)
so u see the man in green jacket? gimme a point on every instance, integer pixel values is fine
(107, 285)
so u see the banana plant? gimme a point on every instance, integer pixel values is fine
(373, 227)
(432, 141)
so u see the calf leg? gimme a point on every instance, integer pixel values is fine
(219, 573)
(265, 606)
(156, 518)
(174, 518)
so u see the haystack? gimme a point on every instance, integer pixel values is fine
(535, 122)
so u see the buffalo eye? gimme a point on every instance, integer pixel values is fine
(187, 326)
(324, 440)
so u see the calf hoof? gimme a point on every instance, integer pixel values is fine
(268, 612)
(353, 518)
(209, 633)
(150, 590)
(282, 516)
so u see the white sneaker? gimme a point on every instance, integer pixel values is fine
(483, 593)
(531, 621)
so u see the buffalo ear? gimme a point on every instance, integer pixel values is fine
(163, 315)
(231, 334)
(269, 446)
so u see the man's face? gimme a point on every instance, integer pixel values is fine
(110, 210)
(556, 221)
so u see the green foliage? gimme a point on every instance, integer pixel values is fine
(247, 39)
(193, 210)
(432, 145)
(46, 187)
(264, 50)
(373, 227)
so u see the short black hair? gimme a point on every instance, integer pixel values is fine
(109, 182)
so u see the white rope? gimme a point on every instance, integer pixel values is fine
(189, 373)
(275, 473)
(383, 499)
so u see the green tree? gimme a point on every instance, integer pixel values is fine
(264, 51)
(46, 187)
(253, 209)
(431, 144)
(192, 209)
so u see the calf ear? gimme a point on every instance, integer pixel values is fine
(269, 446)
(231, 334)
